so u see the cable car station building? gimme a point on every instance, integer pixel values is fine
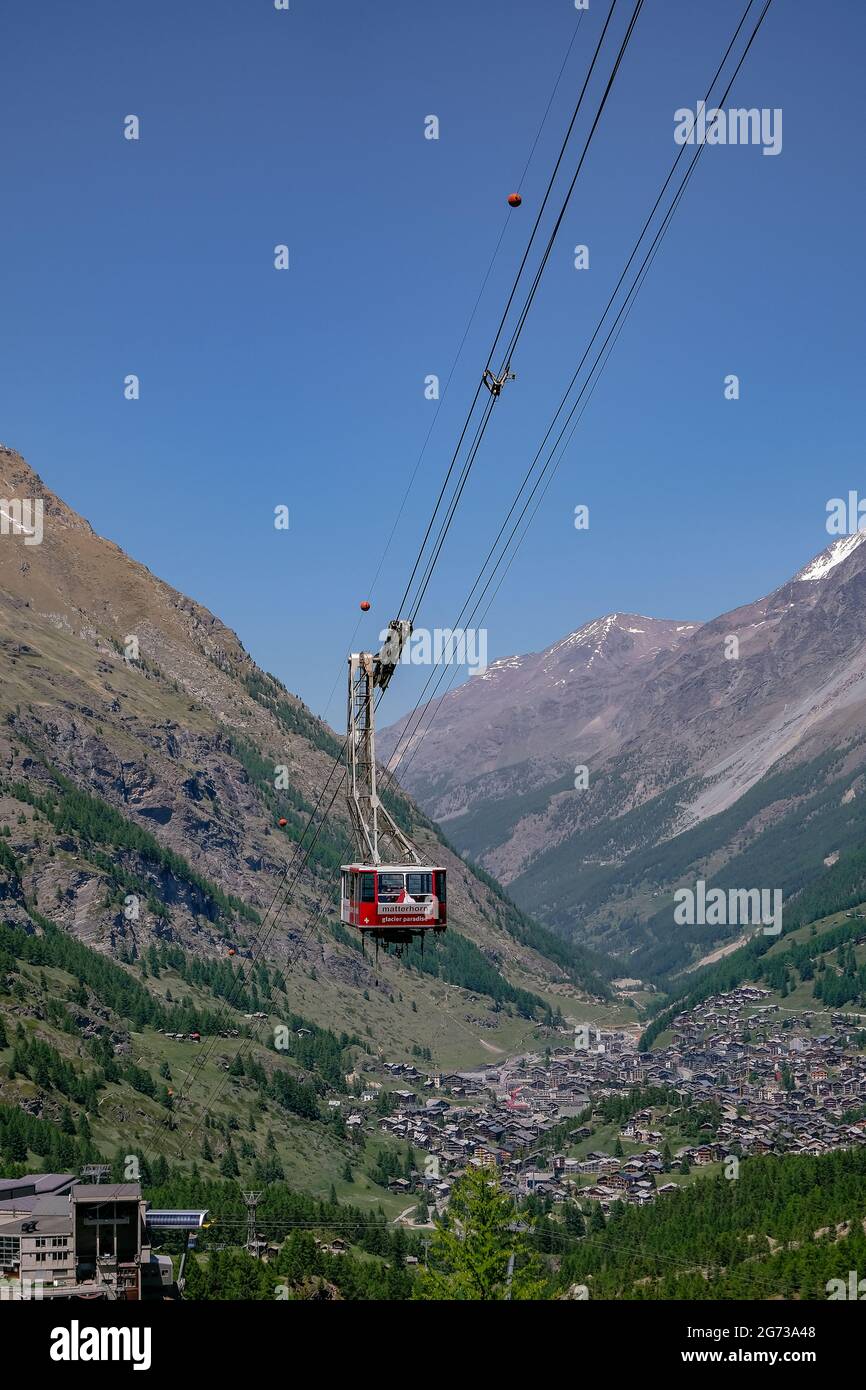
(62, 1238)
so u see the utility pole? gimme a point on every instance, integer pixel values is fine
(251, 1200)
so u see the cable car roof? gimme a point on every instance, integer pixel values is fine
(395, 868)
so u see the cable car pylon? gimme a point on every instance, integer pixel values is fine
(389, 892)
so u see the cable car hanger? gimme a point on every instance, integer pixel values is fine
(495, 384)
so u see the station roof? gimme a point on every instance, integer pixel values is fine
(32, 1209)
(40, 1223)
(35, 1185)
(107, 1192)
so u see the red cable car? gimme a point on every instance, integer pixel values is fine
(390, 893)
(393, 902)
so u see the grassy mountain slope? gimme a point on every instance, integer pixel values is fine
(144, 763)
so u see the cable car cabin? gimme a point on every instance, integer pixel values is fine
(393, 902)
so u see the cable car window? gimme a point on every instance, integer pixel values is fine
(441, 883)
(367, 892)
(390, 887)
(419, 885)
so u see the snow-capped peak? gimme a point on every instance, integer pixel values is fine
(835, 553)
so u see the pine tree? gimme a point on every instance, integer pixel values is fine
(573, 1219)
(17, 1147)
(470, 1252)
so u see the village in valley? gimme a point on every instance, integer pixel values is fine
(592, 1118)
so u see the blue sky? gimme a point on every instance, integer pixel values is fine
(305, 387)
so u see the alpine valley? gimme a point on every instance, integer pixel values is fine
(145, 765)
(730, 752)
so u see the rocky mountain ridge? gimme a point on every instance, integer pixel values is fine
(684, 744)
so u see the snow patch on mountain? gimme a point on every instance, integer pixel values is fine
(821, 566)
(596, 631)
(505, 663)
